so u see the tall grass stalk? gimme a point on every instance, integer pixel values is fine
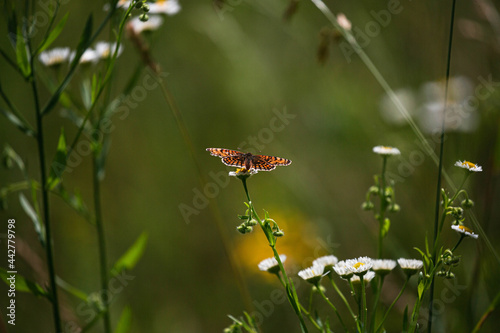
(437, 228)
(99, 223)
(45, 198)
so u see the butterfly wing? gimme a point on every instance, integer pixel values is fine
(260, 164)
(221, 152)
(234, 161)
(273, 160)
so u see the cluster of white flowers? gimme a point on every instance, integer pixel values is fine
(355, 269)
(103, 50)
(426, 106)
(59, 55)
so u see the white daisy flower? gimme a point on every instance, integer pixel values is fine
(469, 166)
(383, 266)
(154, 22)
(385, 150)
(123, 4)
(106, 50)
(410, 266)
(390, 112)
(89, 56)
(360, 265)
(460, 115)
(243, 173)
(464, 230)
(169, 7)
(312, 274)
(54, 57)
(367, 277)
(271, 264)
(343, 270)
(344, 22)
(327, 262)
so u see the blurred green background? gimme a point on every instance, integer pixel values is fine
(231, 71)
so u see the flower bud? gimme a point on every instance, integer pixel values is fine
(252, 222)
(144, 17)
(467, 203)
(373, 190)
(394, 208)
(244, 229)
(145, 7)
(367, 205)
(278, 233)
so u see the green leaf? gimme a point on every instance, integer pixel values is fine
(83, 44)
(421, 289)
(54, 33)
(23, 284)
(86, 93)
(385, 227)
(75, 201)
(11, 23)
(39, 227)
(132, 256)
(18, 122)
(71, 289)
(405, 319)
(125, 321)
(58, 163)
(427, 246)
(10, 157)
(22, 54)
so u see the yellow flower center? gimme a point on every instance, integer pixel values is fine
(359, 264)
(469, 164)
(464, 228)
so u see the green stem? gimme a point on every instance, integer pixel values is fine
(392, 305)
(383, 207)
(290, 288)
(342, 297)
(440, 166)
(302, 308)
(364, 310)
(376, 301)
(45, 204)
(101, 241)
(333, 307)
(462, 236)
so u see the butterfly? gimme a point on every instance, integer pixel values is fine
(248, 161)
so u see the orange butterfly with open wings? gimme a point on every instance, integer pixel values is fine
(248, 161)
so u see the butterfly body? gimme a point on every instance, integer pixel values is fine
(248, 161)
